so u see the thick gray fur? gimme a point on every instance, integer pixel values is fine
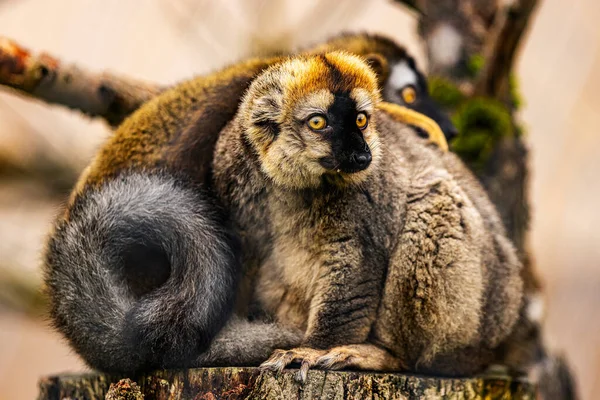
(141, 273)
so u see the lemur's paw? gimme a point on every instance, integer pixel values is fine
(360, 356)
(304, 356)
(356, 356)
(339, 358)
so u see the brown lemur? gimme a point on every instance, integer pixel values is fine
(385, 252)
(141, 267)
(524, 352)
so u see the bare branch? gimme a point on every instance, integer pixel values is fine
(44, 77)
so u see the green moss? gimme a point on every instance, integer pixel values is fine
(445, 92)
(515, 94)
(482, 122)
(475, 64)
(520, 130)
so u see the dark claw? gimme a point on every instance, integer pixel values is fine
(302, 373)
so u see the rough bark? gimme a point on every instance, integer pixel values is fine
(44, 77)
(124, 389)
(250, 383)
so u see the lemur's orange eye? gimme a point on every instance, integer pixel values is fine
(362, 120)
(317, 122)
(409, 95)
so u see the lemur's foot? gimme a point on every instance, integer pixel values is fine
(304, 356)
(359, 356)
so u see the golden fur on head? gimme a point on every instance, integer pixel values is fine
(280, 101)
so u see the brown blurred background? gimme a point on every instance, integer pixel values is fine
(169, 40)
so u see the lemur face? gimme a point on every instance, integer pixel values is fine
(316, 125)
(401, 81)
(342, 124)
(407, 86)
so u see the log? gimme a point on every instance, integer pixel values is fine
(252, 383)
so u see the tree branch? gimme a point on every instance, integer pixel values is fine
(493, 79)
(44, 77)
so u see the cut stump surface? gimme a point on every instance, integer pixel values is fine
(251, 383)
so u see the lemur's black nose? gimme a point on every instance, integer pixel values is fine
(361, 160)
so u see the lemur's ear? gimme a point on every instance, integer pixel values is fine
(266, 113)
(379, 64)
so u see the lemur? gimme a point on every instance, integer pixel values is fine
(384, 252)
(123, 273)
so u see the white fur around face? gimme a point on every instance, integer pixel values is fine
(402, 75)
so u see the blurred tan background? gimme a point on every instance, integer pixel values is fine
(169, 40)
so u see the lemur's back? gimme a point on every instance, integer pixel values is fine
(453, 290)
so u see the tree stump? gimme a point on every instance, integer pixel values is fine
(251, 383)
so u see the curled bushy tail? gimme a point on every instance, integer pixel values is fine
(141, 273)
